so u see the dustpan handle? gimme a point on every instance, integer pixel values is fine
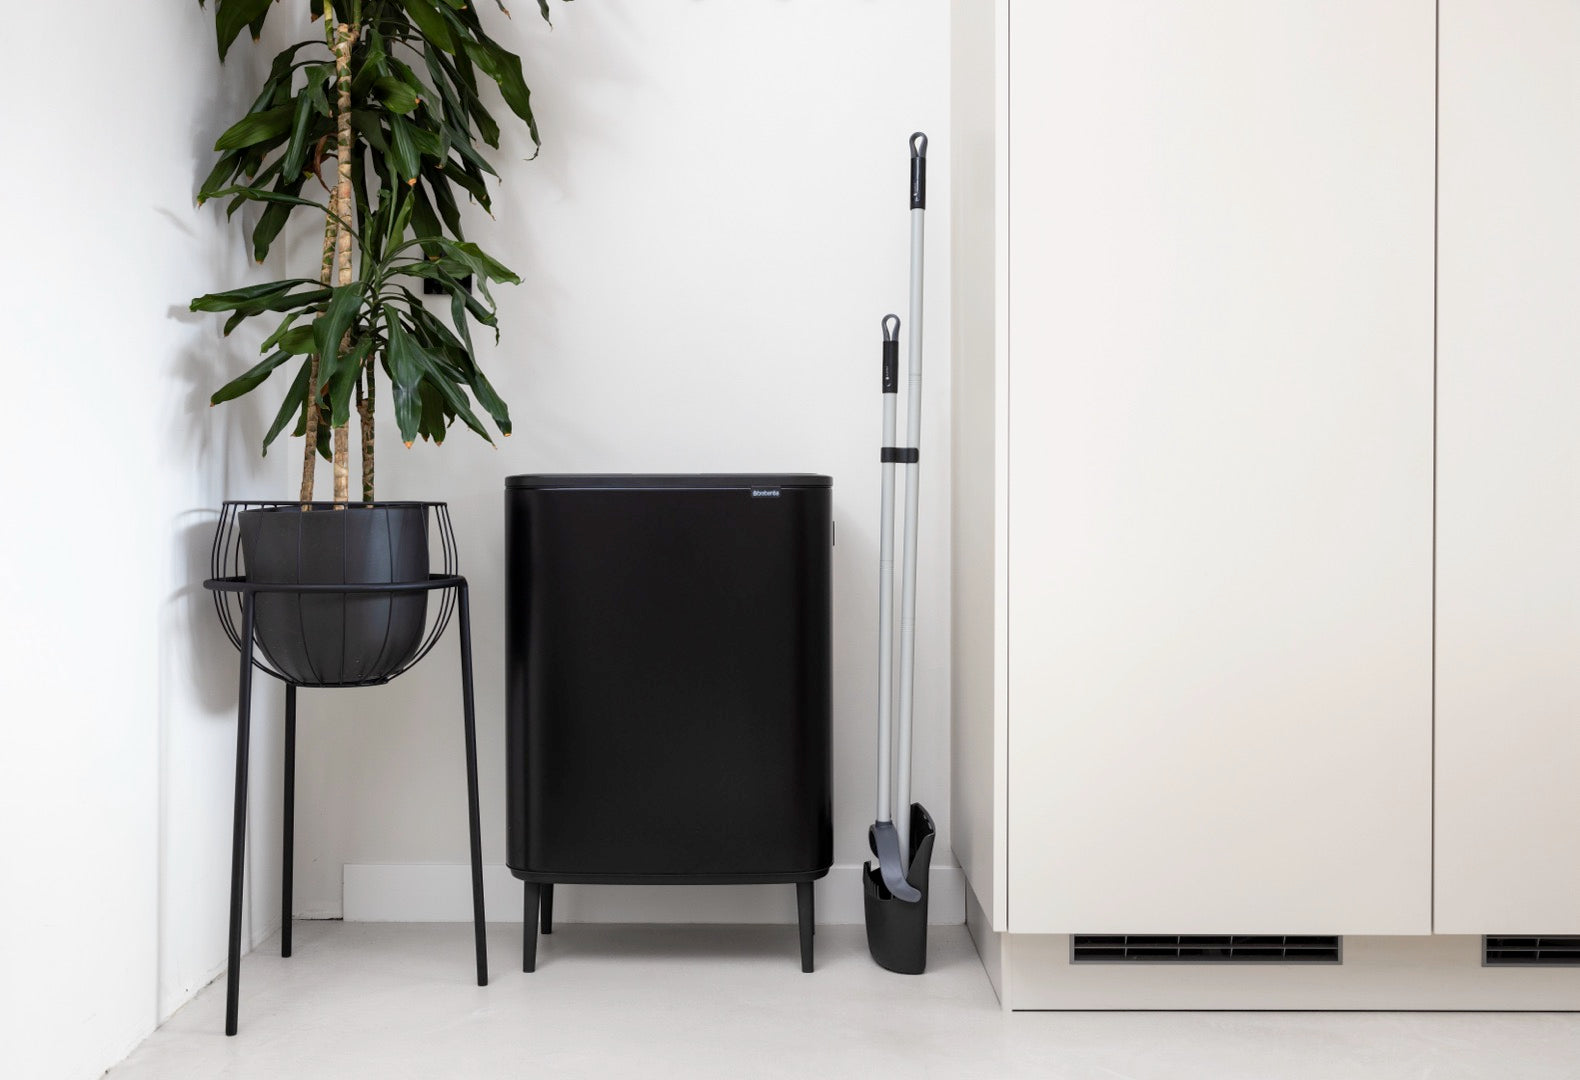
(891, 380)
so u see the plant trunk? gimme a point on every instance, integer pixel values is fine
(365, 410)
(310, 422)
(344, 37)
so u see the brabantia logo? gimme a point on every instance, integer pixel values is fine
(765, 493)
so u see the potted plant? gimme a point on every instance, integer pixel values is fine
(378, 129)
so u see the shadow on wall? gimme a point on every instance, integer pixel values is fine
(211, 666)
(205, 456)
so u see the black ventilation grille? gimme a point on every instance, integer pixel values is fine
(1204, 949)
(1530, 951)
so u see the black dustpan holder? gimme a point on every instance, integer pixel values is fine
(897, 930)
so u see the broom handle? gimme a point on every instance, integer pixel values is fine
(913, 438)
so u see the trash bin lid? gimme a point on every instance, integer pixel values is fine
(669, 481)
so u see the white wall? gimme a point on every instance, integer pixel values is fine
(118, 695)
(715, 226)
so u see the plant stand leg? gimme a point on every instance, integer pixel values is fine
(238, 842)
(546, 907)
(531, 892)
(803, 897)
(288, 829)
(469, 708)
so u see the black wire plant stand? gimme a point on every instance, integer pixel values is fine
(236, 600)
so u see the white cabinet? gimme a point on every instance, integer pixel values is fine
(1508, 485)
(1211, 416)
(1267, 478)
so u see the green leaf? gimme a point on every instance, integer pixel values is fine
(430, 23)
(231, 298)
(256, 128)
(406, 158)
(249, 379)
(298, 341)
(396, 94)
(373, 65)
(230, 16)
(219, 176)
(264, 195)
(439, 74)
(280, 331)
(454, 398)
(491, 401)
(296, 148)
(504, 67)
(434, 335)
(270, 222)
(368, 128)
(461, 74)
(465, 361)
(487, 126)
(460, 293)
(448, 372)
(483, 263)
(294, 397)
(468, 152)
(330, 328)
(426, 96)
(319, 76)
(279, 299)
(284, 64)
(273, 219)
(444, 202)
(427, 143)
(471, 184)
(259, 182)
(406, 371)
(340, 384)
(483, 266)
(403, 214)
(458, 317)
(307, 300)
(437, 268)
(325, 446)
(424, 221)
(434, 414)
(466, 77)
(375, 227)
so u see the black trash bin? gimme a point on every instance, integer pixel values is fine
(669, 683)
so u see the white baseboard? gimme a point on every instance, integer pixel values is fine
(413, 892)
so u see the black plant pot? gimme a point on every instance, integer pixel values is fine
(337, 639)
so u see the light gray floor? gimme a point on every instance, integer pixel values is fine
(397, 1000)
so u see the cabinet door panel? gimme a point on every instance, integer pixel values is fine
(1508, 578)
(1220, 538)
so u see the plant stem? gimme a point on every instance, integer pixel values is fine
(344, 36)
(310, 426)
(365, 408)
